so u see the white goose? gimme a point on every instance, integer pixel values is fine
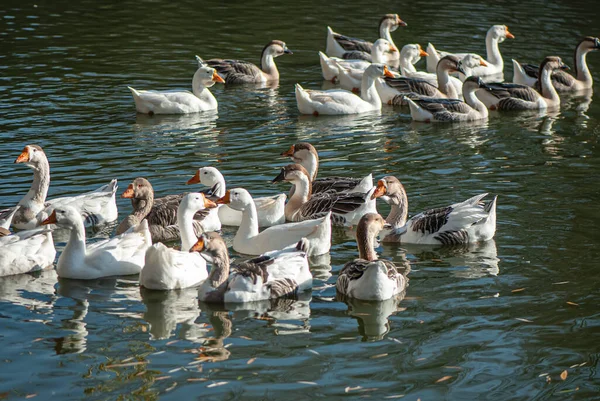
(342, 102)
(451, 110)
(6, 216)
(180, 102)
(120, 255)
(249, 241)
(346, 208)
(528, 74)
(170, 269)
(96, 207)
(275, 274)
(495, 65)
(270, 209)
(409, 56)
(503, 96)
(338, 45)
(25, 251)
(460, 223)
(238, 71)
(306, 154)
(367, 277)
(330, 66)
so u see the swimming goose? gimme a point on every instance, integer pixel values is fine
(409, 56)
(495, 65)
(249, 241)
(238, 71)
(96, 207)
(393, 90)
(330, 66)
(170, 269)
(338, 44)
(305, 154)
(342, 102)
(503, 96)
(346, 208)
(25, 251)
(120, 255)
(161, 213)
(460, 223)
(270, 209)
(367, 277)
(275, 274)
(450, 110)
(6, 216)
(528, 74)
(180, 102)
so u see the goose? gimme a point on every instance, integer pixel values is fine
(97, 207)
(26, 251)
(495, 65)
(281, 273)
(342, 102)
(409, 56)
(503, 96)
(170, 269)
(6, 216)
(460, 223)
(330, 66)
(450, 110)
(306, 154)
(367, 277)
(338, 45)
(249, 241)
(120, 255)
(180, 102)
(346, 208)
(161, 213)
(270, 209)
(528, 74)
(393, 90)
(238, 71)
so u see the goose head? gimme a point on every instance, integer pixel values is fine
(294, 173)
(451, 63)
(367, 229)
(500, 32)
(390, 189)
(140, 188)
(208, 176)
(412, 53)
(378, 70)
(589, 43)
(473, 83)
(473, 60)
(237, 199)
(207, 76)
(553, 63)
(32, 156)
(64, 217)
(196, 201)
(276, 48)
(210, 245)
(300, 152)
(393, 21)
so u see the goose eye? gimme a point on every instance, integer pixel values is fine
(139, 185)
(206, 172)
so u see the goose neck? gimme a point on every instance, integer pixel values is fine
(472, 100)
(75, 250)
(301, 195)
(582, 71)
(249, 224)
(41, 182)
(368, 92)
(200, 90)
(365, 240)
(548, 90)
(185, 221)
(267, 65)
(493, 50)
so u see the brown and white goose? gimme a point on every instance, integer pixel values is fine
(367, 277)
(346, 208)
(161, 213)
(96, 207)
(528, 74)
(393, 90)
(238, 71)
(503, 96)
(347, 47)
(460, 223)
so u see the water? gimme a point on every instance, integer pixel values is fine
(500, 320)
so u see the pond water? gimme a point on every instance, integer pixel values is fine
(500, 320)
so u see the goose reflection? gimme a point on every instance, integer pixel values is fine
(176, 122)
(35, 291)
(168, 310)
(213, 348)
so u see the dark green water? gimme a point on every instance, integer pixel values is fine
(497, 321)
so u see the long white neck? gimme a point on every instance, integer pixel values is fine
(267, 64)
(311, 164)
(74, 253)
(384, 32)
(406, 65)
(493, 51)
(185, 221)
(581, 67)
(368, 92)
(548, 90)
(301, 195)
(444, 84)
(472, 100)
(202, 92)
(378, 55)
(219, 185)
(249, 225)
(39, 187)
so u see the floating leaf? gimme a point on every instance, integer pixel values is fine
(421, 359)
(443, 379)
(394, 396)
(348, 338)
(309, 383)
(250, 361)
(564, 375)
(348, 389)
(518, 290)
(121, 365)
(568, 391)
(197, 379)
(217, 384)
(453, 367)
(31, 395)
(175, 370)
(572, 303)
(312, 351)
(379, 356)
(245, 338)
(171, 387)
(561, 282)
(543, 374)
(162, 378)
(172, 342)
(548, 379)
(524, 320)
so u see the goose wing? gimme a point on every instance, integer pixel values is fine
(236, 71)
(437, 106)
(335, 183)
(412, 85)
(507, 90)
(357, 55)
(352, 44)
(351, 271)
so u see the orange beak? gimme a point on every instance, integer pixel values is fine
(224, 200)
(387, 72)
(209, 204)
(198, 246)
(128, 192)
(23, 157)
(423, 53)
(482, 63)
(51, 219)
(393, 49)
(290, 152)
(379, 191)
(509, 35)
(195, 179)
(217, 78)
